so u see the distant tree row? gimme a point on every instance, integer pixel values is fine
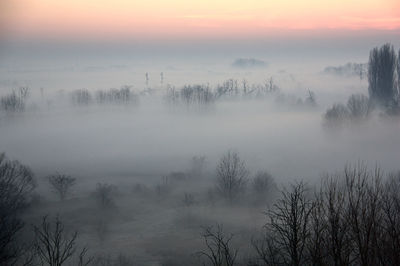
(15, 101)
(204, 95)
(124, 95)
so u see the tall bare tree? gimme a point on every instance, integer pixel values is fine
(381, 75)
(363, 189)
(290, 224)
(391, 220)
(16, 183)
(337, 242)
(398, 78)
(232, 176)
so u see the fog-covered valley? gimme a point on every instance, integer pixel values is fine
(143, 145)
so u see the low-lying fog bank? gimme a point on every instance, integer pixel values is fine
(222, 172)
(151, 138)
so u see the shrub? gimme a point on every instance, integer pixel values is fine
(336, 115)
(232, 176)
(262, 184)
(104, 195)
(61, 184)
(15, 101)
(358, 106)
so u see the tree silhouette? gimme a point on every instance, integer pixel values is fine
(381, 75)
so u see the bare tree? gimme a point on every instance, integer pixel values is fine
(336, 247)
(316, 241)
(267, 249)
(263, 185)
(398, 78)
(54, 246)
(363, 189)
(381, 75)
(353, 219)
(231, 176)
(391, 220)
(290, 224)
(263, 182)
(218, 247)
(358, 106)
(61, 184)
(337, 115)
(81, 97)
(16, 184)
(104, 195)
(15, 101)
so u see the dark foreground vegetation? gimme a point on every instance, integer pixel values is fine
(351, 217)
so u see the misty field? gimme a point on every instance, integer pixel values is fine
(243, 163)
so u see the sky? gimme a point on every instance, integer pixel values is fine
(162, 19)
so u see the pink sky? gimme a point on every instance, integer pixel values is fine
(158, 19)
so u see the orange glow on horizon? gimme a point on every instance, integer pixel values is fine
(162, 18)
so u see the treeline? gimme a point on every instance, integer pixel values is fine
(16, 101)
(122, 96)
(204, 95)
(383, 89)
(231, 88)
(191, 95)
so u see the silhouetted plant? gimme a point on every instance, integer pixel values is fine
(54, 246)
(391, 220)
(359, 106)
(104, 195)
(263, 182)
(15, 101)
(16, 184)
(267, 250)
(81, 97)
(61, 184)
(263, 185)
(289, 222)
(232, 176)
(381, 75)
(218, 249)
(337, 115)
(124, 95)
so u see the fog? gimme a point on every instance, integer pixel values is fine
(151, 137)
(148, 138)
